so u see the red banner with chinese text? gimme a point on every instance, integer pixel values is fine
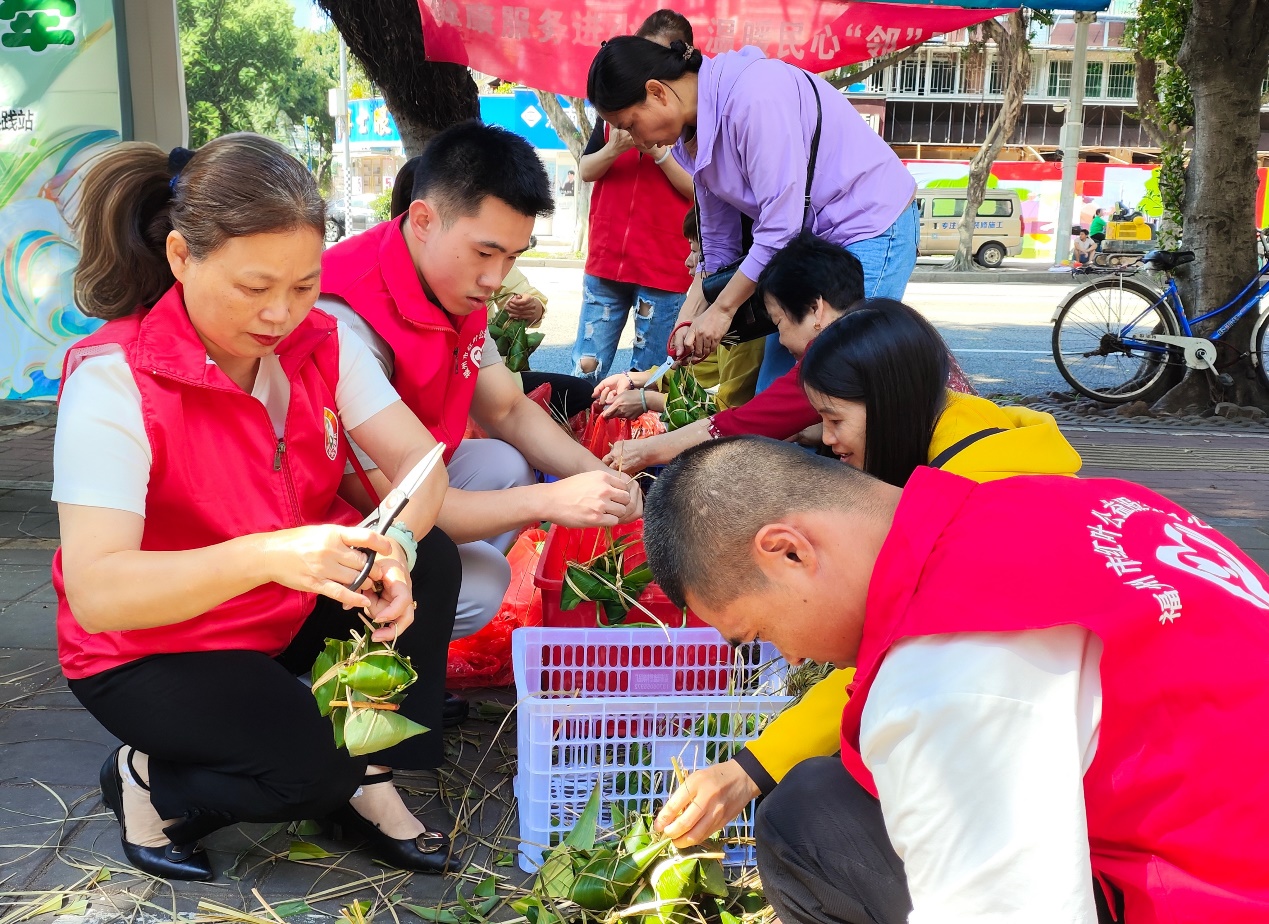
(549, 44)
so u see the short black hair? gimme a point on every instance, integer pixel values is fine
(468, 162)
(706, 507)
(691, 226)
(808, 268)
(623, 66)
(885, 354)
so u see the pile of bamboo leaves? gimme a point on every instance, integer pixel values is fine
(633, 875)
(514, 341)
(605, 581)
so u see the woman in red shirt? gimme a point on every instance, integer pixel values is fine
(205, 553)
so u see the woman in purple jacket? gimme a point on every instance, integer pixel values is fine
(742, 125)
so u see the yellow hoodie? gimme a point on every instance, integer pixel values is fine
(1030, 444)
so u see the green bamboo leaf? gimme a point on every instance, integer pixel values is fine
(338, 717)
(324, 690)
(487, 888)
(379, 673)
(303, 850)
(582, 837)
(435, 915)
(77, 908)
(291, 908)
(535, 339)
(367, 731)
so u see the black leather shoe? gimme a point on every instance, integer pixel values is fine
(427, 853)
(455, 711)
(187, 862)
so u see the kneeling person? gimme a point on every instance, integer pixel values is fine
(416, 288)
(1067, 741)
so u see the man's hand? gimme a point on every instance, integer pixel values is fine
(633, 456)
(525, 308)
(703, 337)
(589, 499)
(705, 803)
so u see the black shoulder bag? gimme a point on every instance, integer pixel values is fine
(751, 321)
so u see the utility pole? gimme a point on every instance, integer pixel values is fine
(346, 121)
(1072, 138)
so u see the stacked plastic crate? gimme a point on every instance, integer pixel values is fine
(617, 707)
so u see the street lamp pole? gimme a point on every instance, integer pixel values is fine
(346, 119)
(1072, 138)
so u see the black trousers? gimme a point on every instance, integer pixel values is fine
(825, 857)
(569, 394)
(234, 736)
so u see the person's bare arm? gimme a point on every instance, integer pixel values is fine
(592, 167)
(679, 178)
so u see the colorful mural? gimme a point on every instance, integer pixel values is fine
(59, 107)
(1039, 186)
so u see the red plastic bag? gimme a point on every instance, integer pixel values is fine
(597, 432)
(484, 659)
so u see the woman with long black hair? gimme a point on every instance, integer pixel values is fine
(747, 128)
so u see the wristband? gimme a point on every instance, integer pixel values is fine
(402, 534)
(660, 160)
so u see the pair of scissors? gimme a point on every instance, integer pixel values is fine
(671, 360)
(390, 508)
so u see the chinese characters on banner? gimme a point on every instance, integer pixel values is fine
(35, 24)
(549, 44)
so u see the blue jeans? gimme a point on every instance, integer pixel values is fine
(605, 304)
(887, 259)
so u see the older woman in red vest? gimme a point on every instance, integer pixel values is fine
(636, 248)
(205, 554)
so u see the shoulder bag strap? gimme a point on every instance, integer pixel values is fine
(962, 444)
(815, 147)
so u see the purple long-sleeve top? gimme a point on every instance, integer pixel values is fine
(754, 120)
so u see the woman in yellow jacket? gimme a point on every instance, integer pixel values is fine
(877, 376)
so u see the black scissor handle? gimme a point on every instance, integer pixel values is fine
(365, 569)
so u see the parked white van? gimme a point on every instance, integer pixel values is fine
(997, 227)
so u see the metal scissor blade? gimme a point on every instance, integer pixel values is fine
(662, 369)
(410, 483)
(391, 506)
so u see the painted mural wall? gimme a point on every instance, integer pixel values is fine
(59, 106)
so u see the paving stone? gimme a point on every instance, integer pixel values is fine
(23, 572)
(29, 624)
(32, 820)
(55, 746)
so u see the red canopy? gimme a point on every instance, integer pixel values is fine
(549, 44)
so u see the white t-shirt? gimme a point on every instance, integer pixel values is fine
(101, 456)
(978, 744)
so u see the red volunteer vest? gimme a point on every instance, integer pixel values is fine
(1178, 794)
(636, 226)
(436, 355)
(218, 472)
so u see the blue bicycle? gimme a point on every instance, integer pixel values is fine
(1118, 339)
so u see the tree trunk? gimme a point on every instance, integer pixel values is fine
(1014, 48)
(574, 134)
(386, 36)
(1225, 56)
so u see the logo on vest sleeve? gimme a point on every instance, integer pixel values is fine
(474, 356)
(331, 424)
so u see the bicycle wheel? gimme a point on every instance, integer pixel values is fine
(1088, 333)
(1260, 349)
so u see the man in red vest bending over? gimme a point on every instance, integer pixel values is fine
(1058, 711)
(415, 289)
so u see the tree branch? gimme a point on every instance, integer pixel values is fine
(877, 65)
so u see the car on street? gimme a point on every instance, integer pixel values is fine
(341, 222)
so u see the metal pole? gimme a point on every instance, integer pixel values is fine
(347, 123)
(1073, 137)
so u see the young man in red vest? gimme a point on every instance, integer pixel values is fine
(416, 289)
(1058, 702)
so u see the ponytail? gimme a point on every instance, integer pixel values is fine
(403, 187)
(134, 196)
(624, 65)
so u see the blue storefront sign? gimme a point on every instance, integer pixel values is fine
(372, 124)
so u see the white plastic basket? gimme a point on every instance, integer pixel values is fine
(568, 743)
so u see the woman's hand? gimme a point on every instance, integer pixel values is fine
(706, 332)
(705, 803)
(525, 308)
(392, 604)
(633, 456)
(620, 141)
(325, 559)
(614, 385)
(633, 403)
(812, 436)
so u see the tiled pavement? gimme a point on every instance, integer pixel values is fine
(54, 834)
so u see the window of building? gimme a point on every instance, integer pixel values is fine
(995, 85)
(942, 74)
(1060, 79)
(996, 208)
(1093, 79)
(912, 75)
(1121, 80)
(947, 208)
